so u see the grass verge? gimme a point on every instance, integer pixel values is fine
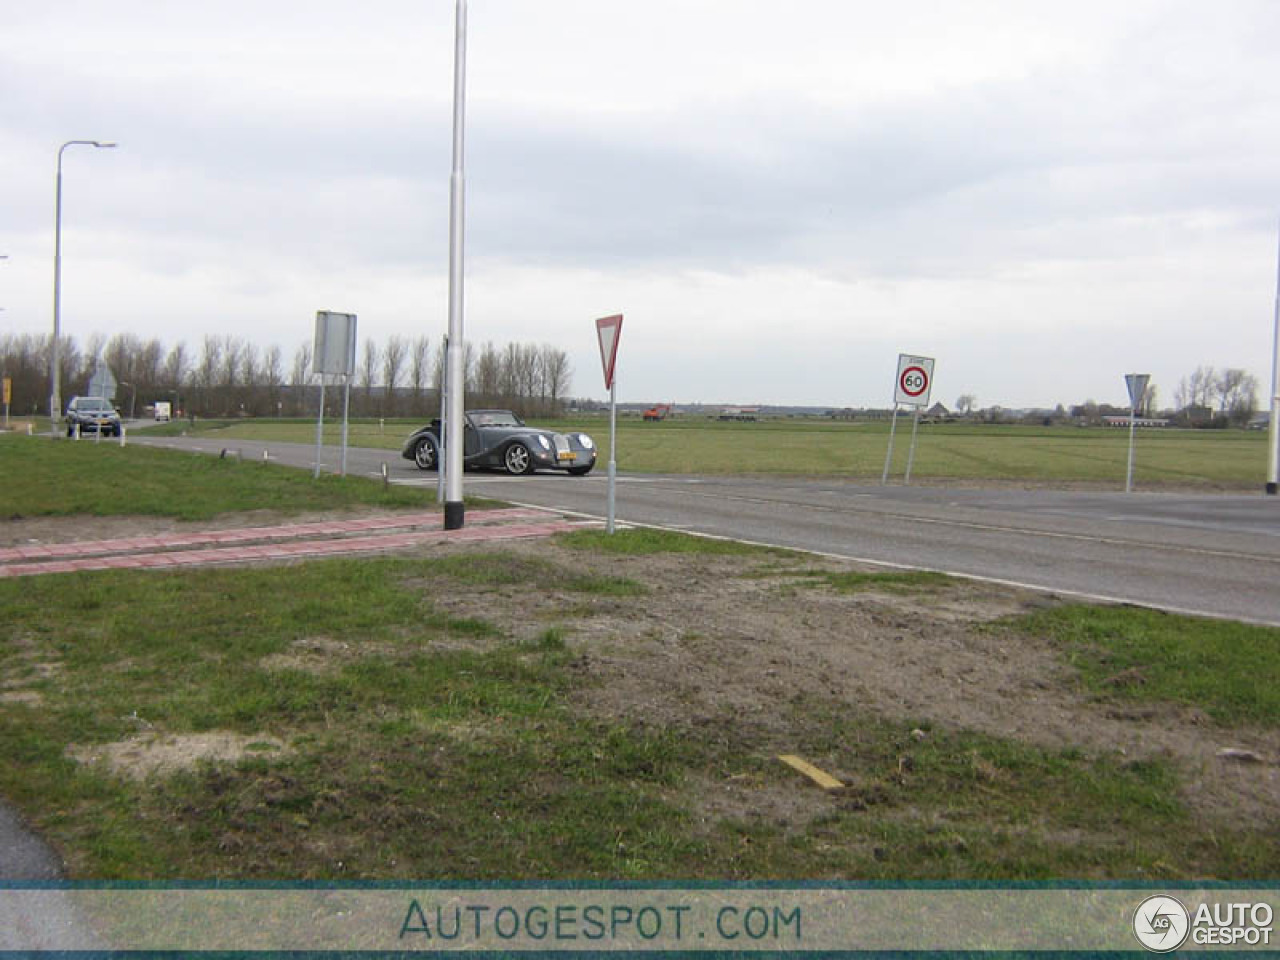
(385, 737)
(1229, 670)
(59, 478)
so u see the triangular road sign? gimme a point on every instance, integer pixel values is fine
(1137, 384)
(608, 330)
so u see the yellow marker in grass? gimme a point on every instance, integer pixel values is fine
(820, 777)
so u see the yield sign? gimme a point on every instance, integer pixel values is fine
(607, 330)
(1137, 384)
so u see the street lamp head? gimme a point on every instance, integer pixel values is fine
(105, 144)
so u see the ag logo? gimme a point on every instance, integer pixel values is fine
(1161, 923)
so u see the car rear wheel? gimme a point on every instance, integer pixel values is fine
(517, 459)
(424, 454)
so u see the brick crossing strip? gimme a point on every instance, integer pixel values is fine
(90, 548)
(289, 550)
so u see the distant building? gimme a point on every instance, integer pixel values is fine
(1137, 421)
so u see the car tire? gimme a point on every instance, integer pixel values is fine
(425, 455)
(517, 459)
(580, 471)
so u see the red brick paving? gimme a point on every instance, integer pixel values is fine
(245, 545)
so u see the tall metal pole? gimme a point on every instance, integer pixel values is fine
(346, 415)
(55, 365)
(454, 510)
(911, 451)
(1273, 456)
(888, 457)
(613, 453)
(1128, 477)
(319, 431)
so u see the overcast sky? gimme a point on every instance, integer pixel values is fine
(780, 197)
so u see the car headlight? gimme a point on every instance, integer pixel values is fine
(587, 442)
(546, 444)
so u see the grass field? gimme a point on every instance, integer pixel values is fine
(43, 478)
(382, 733)
(1205, 459)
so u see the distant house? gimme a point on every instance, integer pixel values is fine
(938, 412)
(739, 413)
(1137, 421)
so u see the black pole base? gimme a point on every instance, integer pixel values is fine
(454, 514)
(1271, 489)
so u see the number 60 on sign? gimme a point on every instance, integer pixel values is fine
(915, 379)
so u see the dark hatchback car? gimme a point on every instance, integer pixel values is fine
(92, 415)
(500, 439)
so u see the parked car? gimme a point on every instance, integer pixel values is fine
(92, 415)
(500, 439)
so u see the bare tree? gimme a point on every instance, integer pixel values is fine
(419, 367)
(393, 357)
(300, 378)
(488, 378)
(966, 403)
(1238, 392)
(176, 367)
(273, 375)
(557, 371)
(368, 372)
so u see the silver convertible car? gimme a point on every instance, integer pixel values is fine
(500, 439)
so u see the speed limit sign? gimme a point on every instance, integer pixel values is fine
(914, 380)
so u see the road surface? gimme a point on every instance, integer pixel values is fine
(1215, 555)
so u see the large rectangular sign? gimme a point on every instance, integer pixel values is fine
(335, 347)
(914, 381)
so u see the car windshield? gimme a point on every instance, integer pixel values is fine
(496, 418)
(92, 405)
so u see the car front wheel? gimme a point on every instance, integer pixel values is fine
(517, 459)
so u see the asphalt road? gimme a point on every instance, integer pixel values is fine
(1215, 555)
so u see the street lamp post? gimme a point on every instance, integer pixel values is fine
(454, 509)
(55, 370)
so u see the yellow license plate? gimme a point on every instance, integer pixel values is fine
(568, 455)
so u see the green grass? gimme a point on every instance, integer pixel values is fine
(421, 744)
(58, 478)
(532, 574)
(1229, 670)
(642, 541)
(904, 582)
(1209, 459)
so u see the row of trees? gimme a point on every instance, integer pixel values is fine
(229, 376)
(1207, 397)
(1231, 394)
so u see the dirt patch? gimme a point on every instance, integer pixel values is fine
(737, 649)
(165, 754)
(31, 698)
(723, 646)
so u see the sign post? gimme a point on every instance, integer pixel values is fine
(1137, 384)
(8, 394)
(608, 331)
(334, 355)
(910, 389)
(1273, 428)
